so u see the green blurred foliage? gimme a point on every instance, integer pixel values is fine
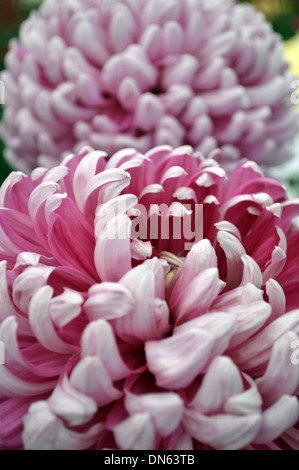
(284, 15)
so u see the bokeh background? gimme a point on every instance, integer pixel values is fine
(283, 14)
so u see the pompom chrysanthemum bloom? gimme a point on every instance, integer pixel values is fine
(121, 343)
(119, 73)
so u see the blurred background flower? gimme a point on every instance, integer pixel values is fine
(12, 13)
(291, 169)
(283, 14)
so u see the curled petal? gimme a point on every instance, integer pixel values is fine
(278, 261)
(92, 378)
(8, 336)
(135, 433)
(40, 195)
(85, 171)
(27, 284)
(185, 442)
(248, 402)
(141, 250)
(113, 250)
(148, 319)
(258, 349)
(176, 361)
(233, 250)
(222, 432)
(160, 268)
(221, 325)
(221, 381)
(196, 298)
(44, 431)
(98, 340)
(165, 409)
(281, 376)
(66, 307)
(201, 257)
(277, 419)
(13, 386)
(41, 323)
(277, 298)
(71, 405)
(108, 211)
(252, 273)
(250, 318)
(108, 301)
(7, 305)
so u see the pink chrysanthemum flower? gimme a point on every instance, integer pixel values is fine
(121, 343)
(122, 73)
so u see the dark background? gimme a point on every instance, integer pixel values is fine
(283, 14)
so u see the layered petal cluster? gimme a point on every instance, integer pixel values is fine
(142, 73)
(125, 343)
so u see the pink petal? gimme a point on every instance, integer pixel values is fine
(17, 233)
(249, 402)
(252, 273)
(277, 419)
(85, 171)
(108, 301)
(13, 386)
(250, 317)
(72, 406)
(222, 432)
(165, 409)
(277, 298)
(44, 431)
(278, 261)
(8, 335)
(108, 211)
(71, 239)
(91, 378)
(7, 305)
(40, 195)
(66, 307)
(185, 442)
(149, 319)
(135, 433)
(113, 250)
(141, 250)
(28, 283)
(41, 324)
(160, 268)
(221, 325)
(258, 349)
(234, 250)
(281, 376)
(222, 381)
(176, 361)
(196, 299)
(98, 340)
